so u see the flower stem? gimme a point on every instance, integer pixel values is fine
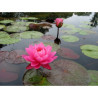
(57, 32)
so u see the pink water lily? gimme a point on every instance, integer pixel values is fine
(59, 22)
(39, 55)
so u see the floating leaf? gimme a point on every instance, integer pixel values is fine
(70, 38)
(85, 26)
(90, 50)
(6, 21)
(15, 35)
(2, 26)
(28, 18)
(31, 77)
(4, 35)
(3, 55)
(67, 72)
(9, 40)
(9, 67)
(70, 26)
(15, 28)
(48, 37)
(31, 34)
(21, 23)
(94, 77)
(15, 57)
(67, 53)
(86, 32)
(55, 47)
(7, 76)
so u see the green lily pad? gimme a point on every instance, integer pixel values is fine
(2, 26)
(94, 77)
(28, 18)
(9, 40)
(20, 23)
(15, 28)
(90, 50)
(15, 35)
(70, 26)
(67, 72)
(4, 35)
(86, 32)
(32, 78)
(55, 47)
(70, 38)
(6, 21)
(31, 34)
(85, 26)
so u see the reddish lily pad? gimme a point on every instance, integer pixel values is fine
(7, 76)
(9, 67)
(67, 53)
(67, 72)
(3, 55)
(48, 37)
(15, 57)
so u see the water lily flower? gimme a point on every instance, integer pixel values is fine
(39, 55)
(59, 22)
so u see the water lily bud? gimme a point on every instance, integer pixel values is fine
(59, 22)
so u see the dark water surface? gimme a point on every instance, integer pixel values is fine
(69, 18)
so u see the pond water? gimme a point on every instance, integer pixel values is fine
(82, 25)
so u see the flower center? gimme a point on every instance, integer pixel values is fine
(39, 49)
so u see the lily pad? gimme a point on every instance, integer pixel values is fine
(90, 50)
(67, 53)
(15, 57)
(2, 26)
(55, 47)
(3, 55)
(32, 78)
(6, 21)
(31, 34)
(9, 40)
(21, 23)
(9, 67)
(94, 77)
(70, 26)
(70, 38)
(15, 35)
(28, 18)
(48, 37)
(67, 72)
(15, 28)
(4, 35)
(7, 76)
(85, 26)
(86, 32)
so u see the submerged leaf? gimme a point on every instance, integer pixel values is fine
(48, 37)
(67, 72)
(70, 26)
(70, 38)
(67, 53)
(90, 50)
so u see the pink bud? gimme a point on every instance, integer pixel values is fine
(59, 22)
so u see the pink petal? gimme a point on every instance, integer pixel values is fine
(37, 67)
(47, 66)
(29, 66)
